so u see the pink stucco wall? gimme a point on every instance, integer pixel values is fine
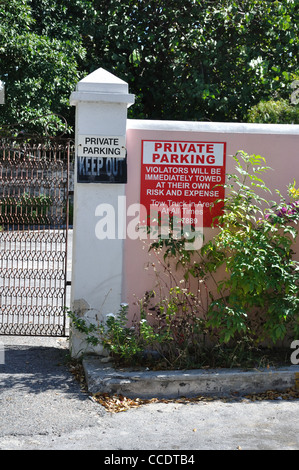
(279, 144)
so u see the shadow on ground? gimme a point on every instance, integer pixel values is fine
(36, 369)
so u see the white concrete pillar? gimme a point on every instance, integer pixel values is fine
(101, 101)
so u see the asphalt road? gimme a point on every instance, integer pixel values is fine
(43, 408)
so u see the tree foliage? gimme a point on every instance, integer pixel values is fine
(274, 112)
(184, 60)
(39, 70)
(196, 59)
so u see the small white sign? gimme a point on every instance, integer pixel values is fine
(102, 146)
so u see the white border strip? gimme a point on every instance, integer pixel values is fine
(215, 127)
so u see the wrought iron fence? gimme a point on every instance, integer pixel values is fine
(34, 222)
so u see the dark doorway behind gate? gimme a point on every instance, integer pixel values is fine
(34, 223)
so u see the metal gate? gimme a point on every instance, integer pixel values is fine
(34, 222)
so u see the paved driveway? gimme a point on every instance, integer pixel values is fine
(43, 407)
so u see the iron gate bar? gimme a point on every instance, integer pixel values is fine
(34, 207)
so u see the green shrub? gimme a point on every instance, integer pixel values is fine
(126, 344)
(274, 112)
(259, 295)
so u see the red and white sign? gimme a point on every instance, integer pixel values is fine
(183, 172)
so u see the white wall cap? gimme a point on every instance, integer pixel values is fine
(94, 97)
(216, 127)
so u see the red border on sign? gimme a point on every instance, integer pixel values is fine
(184, 180)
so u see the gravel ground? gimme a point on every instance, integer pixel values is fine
(43, 407)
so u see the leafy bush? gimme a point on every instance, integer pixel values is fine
(274, 112)
(259, 296)
(124, 343)
(167, 334)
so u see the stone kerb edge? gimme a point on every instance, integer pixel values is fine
(103, 378)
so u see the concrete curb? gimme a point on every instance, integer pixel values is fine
(103, 378)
